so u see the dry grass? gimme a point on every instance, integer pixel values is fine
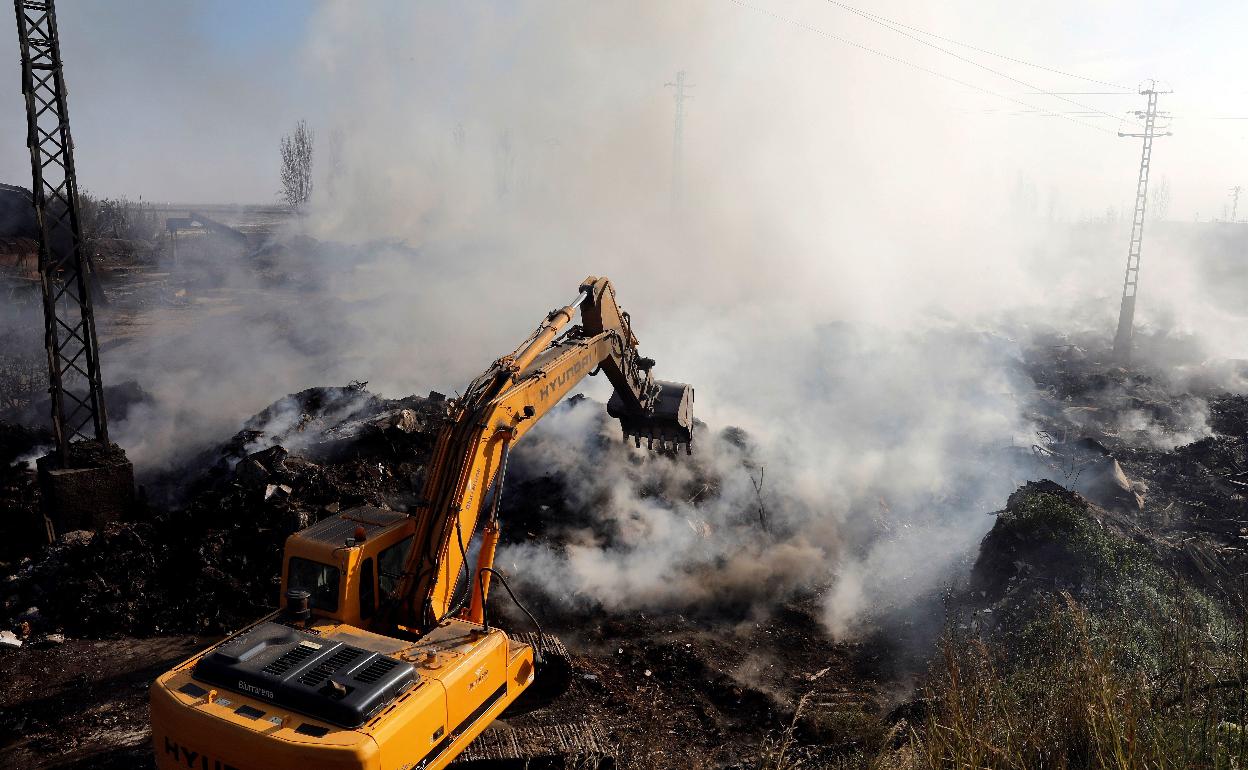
(1143, 690)
(776, 751)
(1080, 702)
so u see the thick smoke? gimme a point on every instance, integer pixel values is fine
(879, 475)
(850, 278)
(830, 292)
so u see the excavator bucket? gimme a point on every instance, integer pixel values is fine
(665, 428)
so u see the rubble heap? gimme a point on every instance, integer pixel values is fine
(204, 554)
(1051, 539)
(1165, 452)
(211, 564)
(19, 488)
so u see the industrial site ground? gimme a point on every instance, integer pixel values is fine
(1100, 622)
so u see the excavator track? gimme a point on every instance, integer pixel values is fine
(577, 745)
(549, 645)
(552, 678)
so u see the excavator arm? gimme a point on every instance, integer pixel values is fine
(464, 481)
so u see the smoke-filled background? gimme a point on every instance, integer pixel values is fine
(864, 242)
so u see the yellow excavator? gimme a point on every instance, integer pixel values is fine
(381, 654)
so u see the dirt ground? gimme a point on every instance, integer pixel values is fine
(83, 703)
(712, 691)
(670, 692)
(674, 692)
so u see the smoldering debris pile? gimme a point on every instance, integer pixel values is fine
(1164, 462)
(1144, 504)
(18, 488)
(204, 554)
(1164, 444)
(211, 562)
(1199, 497)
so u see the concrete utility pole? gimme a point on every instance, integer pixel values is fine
(678, 172)
(1235, 202)
(1130, 285)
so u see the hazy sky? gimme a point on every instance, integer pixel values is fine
(179, 100)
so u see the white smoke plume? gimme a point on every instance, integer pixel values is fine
(877, 468)
(860, 254)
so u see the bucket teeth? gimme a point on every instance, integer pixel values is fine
(660, 445)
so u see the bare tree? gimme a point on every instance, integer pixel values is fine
(297, 166)
(458, 135)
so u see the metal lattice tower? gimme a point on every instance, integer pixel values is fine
(69, 323)
(1131, 281)
(678, 139)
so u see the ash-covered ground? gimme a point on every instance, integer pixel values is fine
(710, 683)
(703, 597)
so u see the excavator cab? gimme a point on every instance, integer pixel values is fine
(348, 565)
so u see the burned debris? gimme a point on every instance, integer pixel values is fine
(202, 550)
(219, 523)
(951, 540)
(202, 563)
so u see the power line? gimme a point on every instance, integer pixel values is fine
(912, 65)
(1126, 91)
(1210, 117)
(1045, 113)
(919, 67)
(895, 27)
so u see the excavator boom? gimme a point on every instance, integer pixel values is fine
(501, 405)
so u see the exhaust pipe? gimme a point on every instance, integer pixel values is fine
(298, 603)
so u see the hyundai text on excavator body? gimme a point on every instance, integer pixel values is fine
(381, 654)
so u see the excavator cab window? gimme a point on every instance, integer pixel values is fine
(390, 566)
(320, 580)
